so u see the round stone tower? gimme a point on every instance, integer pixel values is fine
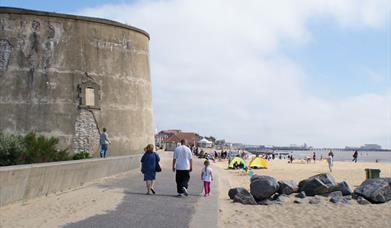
(70, 76)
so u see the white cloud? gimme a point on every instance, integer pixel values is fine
(217, 68)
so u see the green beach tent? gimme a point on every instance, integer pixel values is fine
(237, 160)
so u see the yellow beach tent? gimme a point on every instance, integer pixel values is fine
(237, 160)
(258, 162)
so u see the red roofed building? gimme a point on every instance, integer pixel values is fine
(174, 140)
(163, 135)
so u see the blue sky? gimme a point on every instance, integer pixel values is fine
(361, 65)
(67, 6)
(345, 62)
(328, 66)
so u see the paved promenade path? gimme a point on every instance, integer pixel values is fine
(161, 210)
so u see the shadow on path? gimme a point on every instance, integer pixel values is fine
(139, 210)
(157, 194)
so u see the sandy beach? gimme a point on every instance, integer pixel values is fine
(102, 198)
(325, 214)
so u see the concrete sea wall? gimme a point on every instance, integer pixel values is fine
(28, 181)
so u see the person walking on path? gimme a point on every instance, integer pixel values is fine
(355, 156)
(104, 143)
(149, 161)
(182, 163)
(314, 157)
(206, 177)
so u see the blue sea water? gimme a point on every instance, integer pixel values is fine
(363, 156)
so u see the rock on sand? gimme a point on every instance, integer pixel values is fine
(287, 187)
(244, 197)
(262, 187)
(233, 191)
(344, 188)
(317, 185)
(377, 190)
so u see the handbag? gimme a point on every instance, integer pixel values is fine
(157, 165)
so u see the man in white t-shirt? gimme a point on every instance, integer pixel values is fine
(182, 163)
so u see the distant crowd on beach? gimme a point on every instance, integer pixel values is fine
(224, 154)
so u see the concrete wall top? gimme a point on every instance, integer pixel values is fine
(12, 10)
(72, 162)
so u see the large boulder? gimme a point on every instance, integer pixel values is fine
(287, 187)
(344, 188)
(262, 187)
(318, 185)
(233, 191)
(244, 197)
(377, 190)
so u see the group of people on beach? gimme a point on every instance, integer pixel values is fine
(330, 157)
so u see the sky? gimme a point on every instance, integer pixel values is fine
(262, 72)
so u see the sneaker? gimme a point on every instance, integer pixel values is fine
(153, 191)
(179, 195)
(185, 192)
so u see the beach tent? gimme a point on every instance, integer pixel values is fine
(204, 143)
(258, 163)
(237, 160)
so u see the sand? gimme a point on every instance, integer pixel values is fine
(325, 214)
(56, 210)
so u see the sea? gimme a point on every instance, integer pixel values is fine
(342, 155)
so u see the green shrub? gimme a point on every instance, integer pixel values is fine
(41, 149)
(11, 149)
(81, 155)
(31, 148)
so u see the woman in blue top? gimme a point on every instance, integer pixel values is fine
(148, 167)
